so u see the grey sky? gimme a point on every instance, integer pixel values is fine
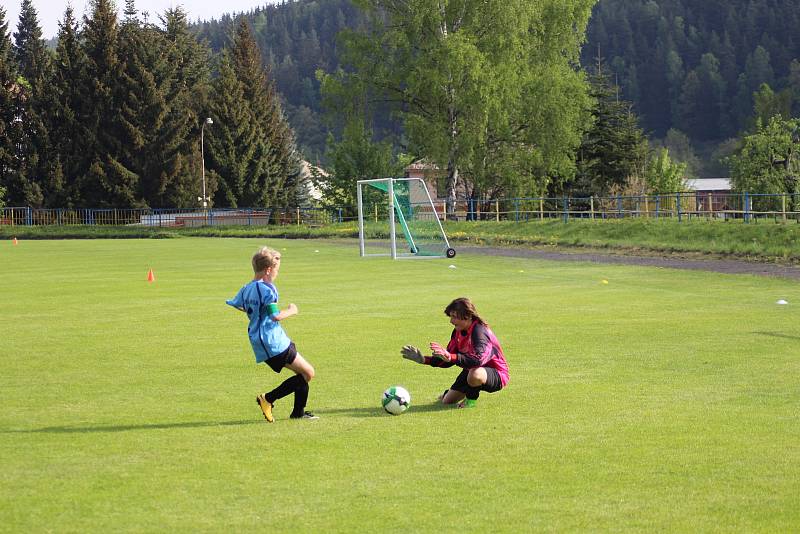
(50, 12)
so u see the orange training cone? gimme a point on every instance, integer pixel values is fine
(14, 241)
(150, 276)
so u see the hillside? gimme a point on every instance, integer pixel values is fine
(694, 65)
(296, 38)
(686, 65)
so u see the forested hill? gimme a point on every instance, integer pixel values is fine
(695, 64)
(692, 65)
(296, 38)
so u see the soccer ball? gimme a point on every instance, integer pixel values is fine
(396, 400)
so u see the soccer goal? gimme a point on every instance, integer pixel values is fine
(400, 210)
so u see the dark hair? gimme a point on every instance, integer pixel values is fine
(464, 309)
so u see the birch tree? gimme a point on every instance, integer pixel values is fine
(487, 88)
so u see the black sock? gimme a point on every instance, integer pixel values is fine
(287, 387)
(300, 398)
(473, 393)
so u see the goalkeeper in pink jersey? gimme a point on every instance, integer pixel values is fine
(473, 347)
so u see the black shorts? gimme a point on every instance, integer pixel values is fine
(283, 359)
(493, 382)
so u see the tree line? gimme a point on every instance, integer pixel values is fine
(552, 104)
(689, 68)
(491, 93)
(113, 115)
(693, 67)
(296, 39)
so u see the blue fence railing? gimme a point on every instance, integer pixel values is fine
(25, 216)
(679, 206)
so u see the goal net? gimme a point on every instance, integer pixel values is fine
(397, 218)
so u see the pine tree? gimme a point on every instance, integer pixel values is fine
(246, 62)
(68, 130)
(231, 143)
(768, 104)
(702, 108)
(286, 188)
(268, 174)
(794, 86)
(10, 131)
(34, 65)
(185, 94)
(108, 182)
(758, 70)
(614, 148)
(140, 100)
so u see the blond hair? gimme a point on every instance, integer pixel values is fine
(264, 258)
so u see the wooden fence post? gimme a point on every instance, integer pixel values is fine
(783, 201)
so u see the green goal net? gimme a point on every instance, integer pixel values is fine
(397, 218)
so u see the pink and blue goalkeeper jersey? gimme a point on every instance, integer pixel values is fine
(259, 300)
(475, 347)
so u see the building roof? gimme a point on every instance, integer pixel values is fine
(308, 172)
(309, 169)
(422, 166)
(709, 184)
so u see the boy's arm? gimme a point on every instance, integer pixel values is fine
(290, 310)
(237, 301)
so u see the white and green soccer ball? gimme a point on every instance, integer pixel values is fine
(396, 400)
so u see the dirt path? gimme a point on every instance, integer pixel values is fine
(720, 265)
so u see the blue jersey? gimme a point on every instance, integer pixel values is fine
(259, 300)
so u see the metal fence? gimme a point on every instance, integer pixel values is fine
(678, 206)
(746, 207)
(176, 218)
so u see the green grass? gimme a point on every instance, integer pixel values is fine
(664, 400)
(759, 240)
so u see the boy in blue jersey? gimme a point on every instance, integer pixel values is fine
(271, 345)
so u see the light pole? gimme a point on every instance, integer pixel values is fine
(204, 198)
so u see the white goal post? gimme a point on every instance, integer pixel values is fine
(400, 207)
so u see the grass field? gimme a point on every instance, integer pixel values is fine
(664, 400)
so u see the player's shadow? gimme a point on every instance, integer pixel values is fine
(352, 412)
(127, 428)
(369, 411)
(777, 334)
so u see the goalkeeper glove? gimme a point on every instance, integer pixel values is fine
(441, 353)
(410, 352)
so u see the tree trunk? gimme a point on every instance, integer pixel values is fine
(452, 160)
(452, 182)
(452, 157)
